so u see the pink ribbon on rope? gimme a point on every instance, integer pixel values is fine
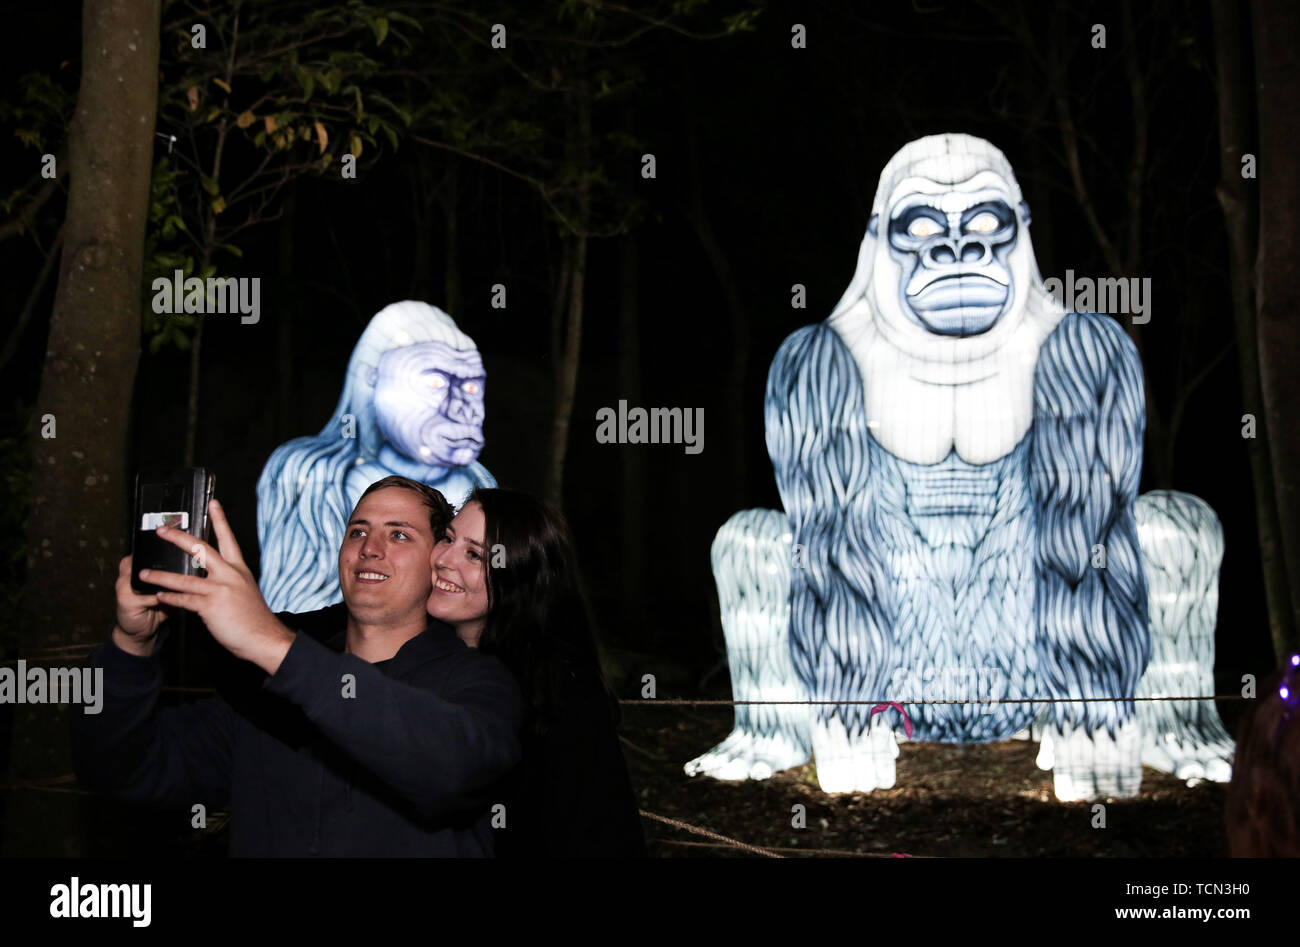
(907, 722)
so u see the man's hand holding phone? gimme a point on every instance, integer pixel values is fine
(228, 600)
(138, 616)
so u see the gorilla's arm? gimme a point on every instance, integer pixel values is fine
(1085, 461)
(817, 437)
(300, 517)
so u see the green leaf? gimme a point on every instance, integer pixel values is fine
(403, 114)
(209, 185)
(408, 20)
(380, 25)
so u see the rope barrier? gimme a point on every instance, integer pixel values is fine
(803, 851)
(60, 653)
(676, 702)
(983, 700)
(745, 846)
(48, 785)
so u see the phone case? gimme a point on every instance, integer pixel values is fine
(174, 497)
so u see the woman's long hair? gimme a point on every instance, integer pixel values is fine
(539, 622)
(1263, 798)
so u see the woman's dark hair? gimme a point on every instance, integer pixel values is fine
(539, 622)
(1263, 799)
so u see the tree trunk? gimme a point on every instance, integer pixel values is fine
(419, 177)
(1277, 270)
(568, 373)
(632, 534)
(451, 244)
(738, 364)
(196, 366)
(568, 369)
(76, 527)
(196, 340)
(559, 302)
(1237, 198)
(286, 406)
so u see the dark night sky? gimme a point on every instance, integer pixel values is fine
(791, 143)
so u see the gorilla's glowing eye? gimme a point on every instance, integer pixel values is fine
(437, 381)
(923, 227)
(983, 223)
(471, 388)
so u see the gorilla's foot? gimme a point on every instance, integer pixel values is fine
(745, 755)
(859, 762)
(1194, 763)
(1088, 767)
(1191, 747)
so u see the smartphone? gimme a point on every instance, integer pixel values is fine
(168, 497)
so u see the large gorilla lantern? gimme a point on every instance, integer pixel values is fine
(958, 458)
(412, 404)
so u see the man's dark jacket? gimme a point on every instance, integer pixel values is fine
(330, 756)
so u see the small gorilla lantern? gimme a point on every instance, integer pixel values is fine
(958, 458)
(412, 404)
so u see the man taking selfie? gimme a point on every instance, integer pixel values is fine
(363, 729)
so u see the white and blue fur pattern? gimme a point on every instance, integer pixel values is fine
(958, 565)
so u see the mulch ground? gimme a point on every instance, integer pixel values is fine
(948, 801)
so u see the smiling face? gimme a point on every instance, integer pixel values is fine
(384, 559)
(459, 562)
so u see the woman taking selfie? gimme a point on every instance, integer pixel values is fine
(505, 577)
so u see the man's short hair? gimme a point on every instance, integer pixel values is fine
(440, 511)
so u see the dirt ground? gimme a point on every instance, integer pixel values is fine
(949, 801)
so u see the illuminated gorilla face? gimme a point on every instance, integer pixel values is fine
(953, 251)
(429, 403)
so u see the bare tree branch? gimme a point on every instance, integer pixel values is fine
(23, 219)
(33, 298)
